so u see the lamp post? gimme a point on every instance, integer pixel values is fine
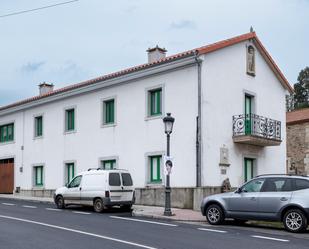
(168, 125)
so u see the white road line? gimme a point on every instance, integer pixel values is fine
(78, 212)
(269, 238)
(212, 230)
(78, 231)
(8, 204)
(25, 206)
(53, 209)
(144, 221)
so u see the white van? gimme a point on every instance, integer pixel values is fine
(98, 188)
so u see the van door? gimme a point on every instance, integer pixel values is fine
(115, 187)
(72, 193)
(127, 187)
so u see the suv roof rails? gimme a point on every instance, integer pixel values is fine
(281, 175)
(95, 169)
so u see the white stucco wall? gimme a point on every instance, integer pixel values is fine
(225, 83)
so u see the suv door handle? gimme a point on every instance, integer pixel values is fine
(80, 188)
(283, 199)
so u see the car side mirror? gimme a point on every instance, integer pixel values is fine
(66, 185)
(238, 191)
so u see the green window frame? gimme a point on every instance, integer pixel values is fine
(155, 169)
(70, 172)
(155, 102)
(109, 164)
(109, 111)
(38, 176)
(248, 168)
(248, 112)
(38, 126)
(7, 133)
(70, 119)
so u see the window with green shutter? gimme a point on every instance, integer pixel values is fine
(155, 102)
(70, 172)
(70, 120)
(108, 164)
(7, 133)
(38, 175)
(38, 126)
(155, 169)
(109, 111)
(249, 169)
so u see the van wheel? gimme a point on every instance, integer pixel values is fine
(214, 214)
(98, 205)
(295, 221)
(60, 202)
(127, 208)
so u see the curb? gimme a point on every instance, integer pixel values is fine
(25, 199)
(160, 217)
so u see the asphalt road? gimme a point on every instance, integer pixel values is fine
(30, 225)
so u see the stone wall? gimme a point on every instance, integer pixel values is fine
(298, 148)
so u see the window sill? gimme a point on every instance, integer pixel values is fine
(154, 185)
(69, 132)
(38, 137)
(6, 143)
(159, 116)
(108, 125)
(38, 187)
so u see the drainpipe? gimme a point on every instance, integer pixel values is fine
(199, 123)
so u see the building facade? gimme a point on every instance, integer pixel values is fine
(228, 100)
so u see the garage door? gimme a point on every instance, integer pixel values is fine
(7, 176)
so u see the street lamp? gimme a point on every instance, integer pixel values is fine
(168, 124)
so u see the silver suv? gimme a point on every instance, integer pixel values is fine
(267, 197)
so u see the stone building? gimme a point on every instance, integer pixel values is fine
(298, 141)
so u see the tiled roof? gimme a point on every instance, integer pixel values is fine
(297, 116)
(201, 50)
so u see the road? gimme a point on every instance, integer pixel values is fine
(30, 225)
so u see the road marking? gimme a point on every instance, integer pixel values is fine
(78, 231)
(25, 206)
(53, 209)
(212, 230)
(269, 238)
(144, 221)
(8, 204)
(78, 212)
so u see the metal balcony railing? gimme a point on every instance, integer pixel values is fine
(255, 125)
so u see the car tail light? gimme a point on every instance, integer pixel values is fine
(106, 193)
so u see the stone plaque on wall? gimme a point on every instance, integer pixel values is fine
(224, 156)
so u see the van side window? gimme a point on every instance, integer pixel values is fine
(301, 184)
(114, 179)
(75, 182)
(126, 179)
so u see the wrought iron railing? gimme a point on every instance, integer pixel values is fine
(255, 125)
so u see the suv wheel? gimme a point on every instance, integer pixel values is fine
(98, 205)
(60, 202)
(295, 221)
(214, 214)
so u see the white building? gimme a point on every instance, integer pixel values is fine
(116, 121)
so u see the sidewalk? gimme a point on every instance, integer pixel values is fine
(138, 210)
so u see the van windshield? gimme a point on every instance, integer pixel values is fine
(126, 179)
(114, 179)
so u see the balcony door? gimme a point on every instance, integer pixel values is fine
(248, 112)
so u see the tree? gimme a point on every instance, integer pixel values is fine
(301, 90)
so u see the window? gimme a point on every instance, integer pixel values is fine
(75, 182)
(38, 126)
(253, 186)
(70, 120)
(6, 133)
(155, 169)
(155, 102)
(301, 184)
(249, 168)
(126, 179)
(70, 171)
(108, 164)
(114, 179)
(38, 175)
(109, 111)
(277, 185)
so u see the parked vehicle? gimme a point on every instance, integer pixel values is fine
(98, 188)
(267, 197)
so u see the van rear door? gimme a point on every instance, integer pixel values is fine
(115, 186)
(127, 187)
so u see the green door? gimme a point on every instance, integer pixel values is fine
(248, 164)
(248, 112)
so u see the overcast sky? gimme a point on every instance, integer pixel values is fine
(89, 38)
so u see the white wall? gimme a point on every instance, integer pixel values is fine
(224, 85)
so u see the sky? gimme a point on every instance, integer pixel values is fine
(85, 39)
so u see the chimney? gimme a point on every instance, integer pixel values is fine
(45, 88)
(156, 53)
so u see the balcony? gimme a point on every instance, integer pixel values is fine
(256, 130)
